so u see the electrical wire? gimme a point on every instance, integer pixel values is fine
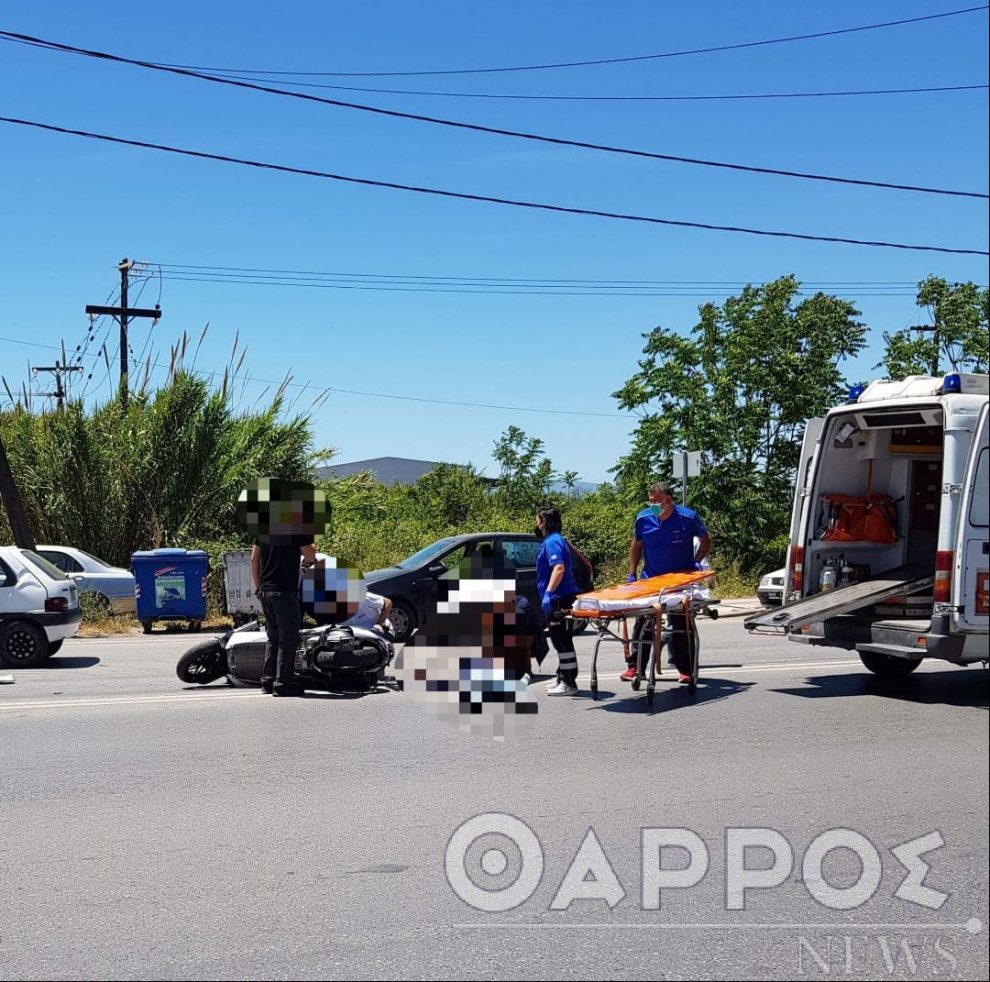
(737, 283)
(107, 323)
(147, 341)
(504, 291)
(496, 131)
(718, 97)
(489, 199)
(359, 392)
(609, 61)
(88, 337)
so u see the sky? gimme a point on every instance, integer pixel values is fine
(431, 310)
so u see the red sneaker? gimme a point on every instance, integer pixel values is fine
(628, 675)
(683, 679)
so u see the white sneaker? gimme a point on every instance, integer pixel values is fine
(563, 689)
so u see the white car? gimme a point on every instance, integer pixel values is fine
(112, 586)
(39, 608)
(771, 589)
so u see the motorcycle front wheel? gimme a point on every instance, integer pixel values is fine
(203, 663)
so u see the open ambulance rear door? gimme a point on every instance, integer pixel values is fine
(971, 574)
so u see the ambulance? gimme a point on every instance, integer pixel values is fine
(889, 552)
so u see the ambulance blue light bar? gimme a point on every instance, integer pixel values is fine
(952, 383)
(855, 392)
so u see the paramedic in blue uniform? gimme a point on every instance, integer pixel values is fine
(663, 538)
(557, 589)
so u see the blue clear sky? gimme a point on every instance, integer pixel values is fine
(72, 208)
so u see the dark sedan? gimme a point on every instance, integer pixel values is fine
(412, 584)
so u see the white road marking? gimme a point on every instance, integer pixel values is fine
(230, 694)
(186, 698)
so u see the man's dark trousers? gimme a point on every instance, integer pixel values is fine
(283, 618)
(674, 635)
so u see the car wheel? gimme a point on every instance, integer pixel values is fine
(578, 625)
(888, 666)
(53, 647)
(404, 620)
(22, 645)
(203, 663)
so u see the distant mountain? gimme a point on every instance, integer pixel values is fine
(580, 487)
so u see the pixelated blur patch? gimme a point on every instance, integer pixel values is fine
(273, 508)
(332, 591)
(468, 662)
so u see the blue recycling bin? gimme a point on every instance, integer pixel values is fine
(170, 585)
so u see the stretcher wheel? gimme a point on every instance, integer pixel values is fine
(650, 689)
(636, 682)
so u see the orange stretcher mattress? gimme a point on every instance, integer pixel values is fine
(668, 589)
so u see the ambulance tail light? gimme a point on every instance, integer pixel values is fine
(944, 561)
(795, 563)
(983, 592)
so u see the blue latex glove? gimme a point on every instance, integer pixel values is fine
(631, 578)
(698, 567)
(546, 604)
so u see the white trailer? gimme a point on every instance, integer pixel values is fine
(242, 602)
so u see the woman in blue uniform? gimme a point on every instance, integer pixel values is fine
(557, 589)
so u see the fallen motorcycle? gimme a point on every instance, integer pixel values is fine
(328, 657)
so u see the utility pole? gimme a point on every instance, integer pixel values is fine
(123, 315)
(23, 536)
(58, 370)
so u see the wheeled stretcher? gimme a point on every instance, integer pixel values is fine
(655, 599)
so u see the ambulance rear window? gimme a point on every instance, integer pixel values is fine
(979, 503)
(893, 419)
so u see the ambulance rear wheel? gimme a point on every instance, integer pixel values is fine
(888, 666)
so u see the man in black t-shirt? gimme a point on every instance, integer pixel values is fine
(275, 573)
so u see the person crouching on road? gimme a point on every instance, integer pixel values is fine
(557, 589)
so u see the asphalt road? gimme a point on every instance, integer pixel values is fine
(150, 830)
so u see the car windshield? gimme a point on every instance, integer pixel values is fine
(424, 555)
(46, 567)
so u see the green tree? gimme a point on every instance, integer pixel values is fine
(526, 471)
(739, 388)
(569, 480)
(956, 335)
(166, 472)
(449, 495)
